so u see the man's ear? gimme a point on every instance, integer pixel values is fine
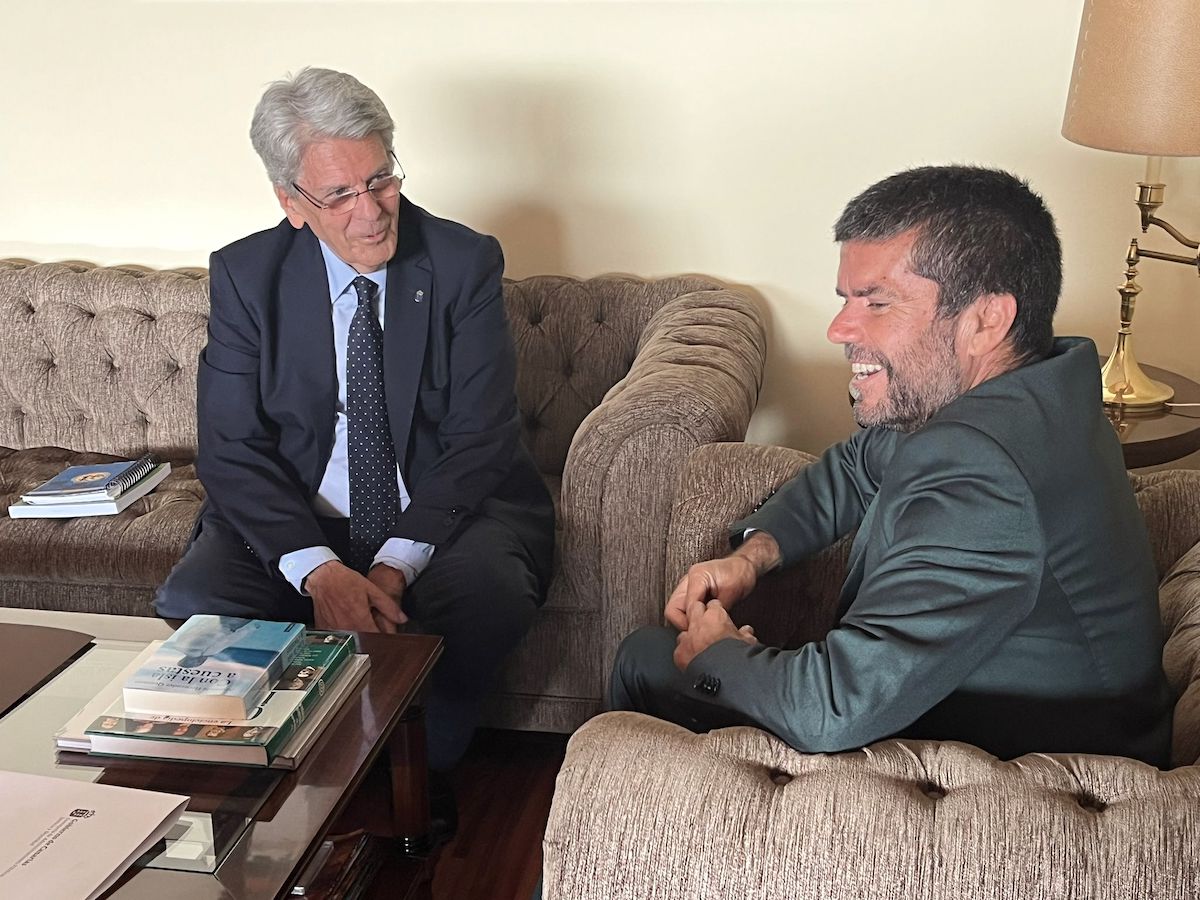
(290, 207)
(989, 320)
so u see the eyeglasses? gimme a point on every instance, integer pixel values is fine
(340, 203)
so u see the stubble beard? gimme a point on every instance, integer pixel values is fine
(932, 378)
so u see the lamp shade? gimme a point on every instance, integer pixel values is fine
(1136, 83)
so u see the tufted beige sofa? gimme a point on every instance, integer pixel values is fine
(645, 810)
(619, 379)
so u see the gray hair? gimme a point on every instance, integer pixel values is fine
(313, 104)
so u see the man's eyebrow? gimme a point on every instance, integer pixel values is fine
(379, 173)
(869, 291)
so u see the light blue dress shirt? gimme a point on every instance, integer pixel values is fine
(333, 496)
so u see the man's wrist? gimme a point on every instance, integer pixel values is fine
(761, 551)
(314, 578)
(299, 564)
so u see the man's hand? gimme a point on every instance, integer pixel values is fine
(707, 623)
(391, 581)
(343, 599)
(726, 580)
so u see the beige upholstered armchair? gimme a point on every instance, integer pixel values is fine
(646, 810)
(619, 379)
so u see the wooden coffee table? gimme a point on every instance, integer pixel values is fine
(267, 824)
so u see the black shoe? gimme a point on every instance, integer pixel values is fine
(443, 809)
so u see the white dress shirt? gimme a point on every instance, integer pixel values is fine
(333, 496)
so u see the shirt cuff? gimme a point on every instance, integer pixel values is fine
(298, 565)
(408, 556)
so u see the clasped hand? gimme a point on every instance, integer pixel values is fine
(699, 605)
(344, 599)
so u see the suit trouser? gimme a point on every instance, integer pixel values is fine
(645, 679)
(479, 593)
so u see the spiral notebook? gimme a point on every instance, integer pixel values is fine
(95, 500)
(83, 484)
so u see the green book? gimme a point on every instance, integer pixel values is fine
(302, 689)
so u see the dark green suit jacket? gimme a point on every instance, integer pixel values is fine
(1001, 589)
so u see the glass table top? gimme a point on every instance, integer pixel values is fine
(224, 800)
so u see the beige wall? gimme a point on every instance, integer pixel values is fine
(646, 137)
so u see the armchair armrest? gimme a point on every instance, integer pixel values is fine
(721, 483)
(645, 809)
(695, 379)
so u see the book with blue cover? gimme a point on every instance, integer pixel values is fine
(214, 666)
(82, 484)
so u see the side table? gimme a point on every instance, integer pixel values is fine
(1164, 435)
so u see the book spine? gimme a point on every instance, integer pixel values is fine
(270, 676)
(293, 650)
(131, 476)
(333, 666)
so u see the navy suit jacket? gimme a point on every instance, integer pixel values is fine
(267, 388)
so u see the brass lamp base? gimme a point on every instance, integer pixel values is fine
(1125, 384)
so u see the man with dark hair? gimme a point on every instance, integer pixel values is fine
(1001, 589)
(357, 415)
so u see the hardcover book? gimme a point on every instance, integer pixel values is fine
(214, 666)
(53, 506)
(312, 687)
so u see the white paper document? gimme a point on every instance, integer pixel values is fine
(70, 840)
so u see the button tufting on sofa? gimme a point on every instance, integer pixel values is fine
(1091, 803)
(779, 777)
(933, 791)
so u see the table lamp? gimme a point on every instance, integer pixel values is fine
(1135, 89)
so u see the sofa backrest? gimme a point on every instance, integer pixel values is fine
(100, 359)
(575, 340)
(104, 359)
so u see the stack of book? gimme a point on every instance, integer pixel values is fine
(223, 690)
(103, 490)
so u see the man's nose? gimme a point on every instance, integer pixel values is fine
(845, 327)
(367, 207)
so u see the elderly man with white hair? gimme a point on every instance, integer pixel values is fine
(358, 425)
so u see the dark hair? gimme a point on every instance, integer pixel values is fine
(981, 231)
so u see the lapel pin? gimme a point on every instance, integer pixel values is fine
(420, 294)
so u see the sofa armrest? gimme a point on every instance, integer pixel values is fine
(1179, 604)
(722, 483)
(695, 379)
(645, 810)
(719, 484)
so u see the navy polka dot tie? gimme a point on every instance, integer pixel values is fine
(374, 496)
